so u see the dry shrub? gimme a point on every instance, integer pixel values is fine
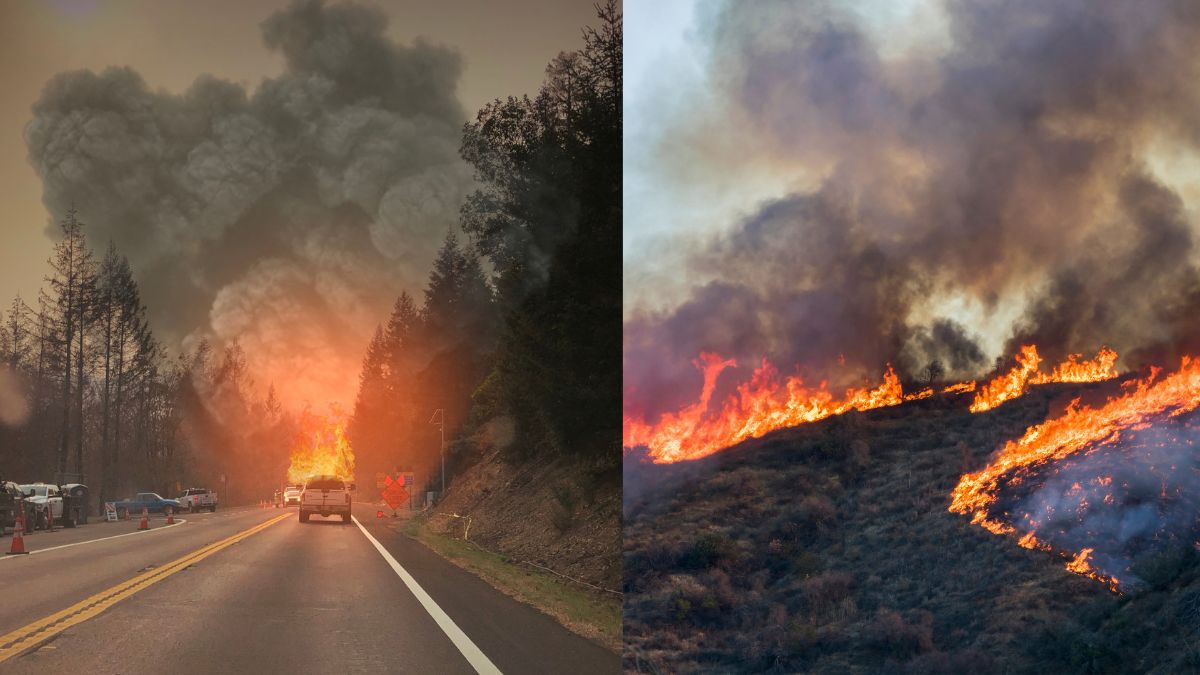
(899, 638)
(825, 590)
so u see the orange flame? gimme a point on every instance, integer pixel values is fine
(321, 448)
(766, 402)
(763, 404)
(960, 388)
(1014, 383)
(1079, 565)
(1078, 429)
(924, 393)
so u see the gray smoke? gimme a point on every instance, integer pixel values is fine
(1018, 161)
(286, 217)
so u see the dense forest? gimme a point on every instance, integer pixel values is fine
(517, 339)
(104, 403)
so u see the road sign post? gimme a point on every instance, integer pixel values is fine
(409, 483)
(439, 418)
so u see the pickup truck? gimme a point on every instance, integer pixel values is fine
(195, 499)
(325, 496)
(291, 495)
(46, 500)
(149, 501)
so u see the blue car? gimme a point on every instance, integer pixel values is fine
(149, 501)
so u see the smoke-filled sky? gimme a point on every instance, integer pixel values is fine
(275, 171)
(867, 182)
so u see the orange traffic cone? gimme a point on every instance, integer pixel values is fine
(170, 517)
(145, 524)
(124, 514)
(49, 517)
(18, 545)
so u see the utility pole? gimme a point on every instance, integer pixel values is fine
(439, 418)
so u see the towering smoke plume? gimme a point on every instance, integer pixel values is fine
(286, 217)
(1017, 167)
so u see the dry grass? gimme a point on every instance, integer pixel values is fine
(591, 614)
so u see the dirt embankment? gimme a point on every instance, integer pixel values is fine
(563, 516)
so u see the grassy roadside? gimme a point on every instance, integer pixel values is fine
(590, 614)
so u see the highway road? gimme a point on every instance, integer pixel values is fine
(254, 590)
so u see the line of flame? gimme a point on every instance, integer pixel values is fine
(766, 402)
(762, 404)
(1078, 429)
(1016, 382)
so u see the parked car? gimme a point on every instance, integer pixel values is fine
(195, 499)
(46, 500)
(150, 501)
(325, 496)
(291, 495)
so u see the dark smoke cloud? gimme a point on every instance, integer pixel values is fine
(1015, 163)
(286, 217)
(947, 341)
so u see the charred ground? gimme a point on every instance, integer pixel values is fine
(829, 548)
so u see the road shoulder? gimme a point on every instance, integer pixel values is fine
(591, 614)
(507, 627)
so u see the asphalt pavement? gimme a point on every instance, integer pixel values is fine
(213, 594)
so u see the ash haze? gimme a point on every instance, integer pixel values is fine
(275, 172)
(873, 182)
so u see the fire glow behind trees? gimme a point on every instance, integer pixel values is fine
(320, 448)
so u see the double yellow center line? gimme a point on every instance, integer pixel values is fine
(39, 631)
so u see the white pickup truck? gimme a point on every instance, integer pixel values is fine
(195, 499)
(46, 500)
(291, 495)
(325, 496)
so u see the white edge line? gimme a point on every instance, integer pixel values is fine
(181, 521)
(478, 660)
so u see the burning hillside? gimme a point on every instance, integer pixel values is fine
(828, 547)
(762, 404)
(768, 402)
(1103, 485)
(321, 447)
(1014, 383)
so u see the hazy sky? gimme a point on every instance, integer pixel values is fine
(690, 187)
(505, 47)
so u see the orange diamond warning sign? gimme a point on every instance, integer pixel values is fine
(395, 495)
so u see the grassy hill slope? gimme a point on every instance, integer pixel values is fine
(829, 548)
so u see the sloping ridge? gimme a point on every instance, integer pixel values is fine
(828, 547)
